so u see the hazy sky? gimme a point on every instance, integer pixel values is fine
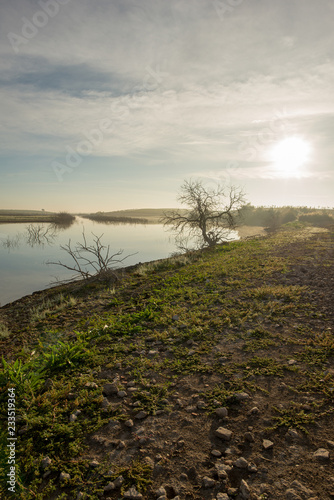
(111, 104)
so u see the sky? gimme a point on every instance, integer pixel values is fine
(112, 104)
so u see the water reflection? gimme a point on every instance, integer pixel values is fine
(10, 243)
(36, 234)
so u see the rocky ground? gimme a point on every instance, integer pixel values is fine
(210, 378)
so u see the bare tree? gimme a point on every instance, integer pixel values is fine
(210, 216)
(91, 261)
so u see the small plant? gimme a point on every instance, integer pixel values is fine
(64, 355)
(23, 376)
(293, 417)
(51, 306)
(153, 399)
(262, 366)
(4, 331)
(314, 355)
(138, 474)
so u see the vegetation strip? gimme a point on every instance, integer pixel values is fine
(122, 387)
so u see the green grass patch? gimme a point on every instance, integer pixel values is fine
(293, 417)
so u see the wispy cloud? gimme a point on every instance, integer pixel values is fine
(179, 83)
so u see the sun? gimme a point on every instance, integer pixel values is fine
(290, 155)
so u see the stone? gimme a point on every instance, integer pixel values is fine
(223, 433)
(141, 414)
(121, 394)
(129, 423)
(330, 444)
(252, 468)
(73, 418)
(119, 481)
(201, 405)
(221, 412)
(71, 396)
(161, 492)
(222, 496)
(321, 454)
(94, 463)
(149, 461)
(297, 485)
(216, 453)
(152, 353)
(292, 435)
(79, 496)
(241, 396)
(208, 482)
(109, 487)
(244, 489)
(110, 389)
(64, 477)
(46, 462)
(291, 494)
(241, 463)
(222, 470)
(91, 385)
(183, 477)
(133, 494)
(249, 437)
(267, 444)
(105, 403)
(254, 411)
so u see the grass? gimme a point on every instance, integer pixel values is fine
(52, 306)
(224, 315)
(4, 331)
(293, 417)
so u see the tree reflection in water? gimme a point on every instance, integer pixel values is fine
(40, 235)
(37, 234)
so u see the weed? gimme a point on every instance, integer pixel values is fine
(258, 344)
(23, 377)
(51, 306)
(314, 355)
(64, 355)
(152, 399)
(262, 366)
(4, 331)
(137, 474)
(293, 417)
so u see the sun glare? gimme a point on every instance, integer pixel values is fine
(290, 155)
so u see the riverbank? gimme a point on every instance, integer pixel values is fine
(204, 375)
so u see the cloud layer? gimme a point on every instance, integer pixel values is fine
(188, 88)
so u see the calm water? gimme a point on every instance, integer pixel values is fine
(23, 261)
